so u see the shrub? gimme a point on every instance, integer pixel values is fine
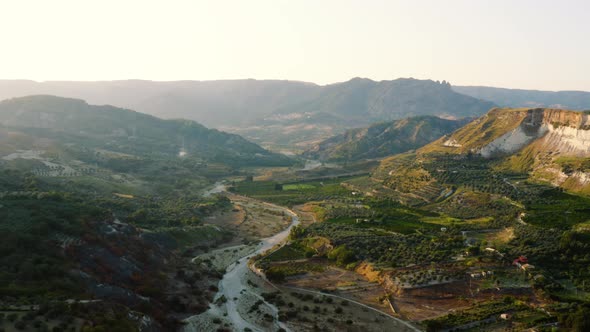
(21, 325)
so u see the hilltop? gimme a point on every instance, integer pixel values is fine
(383, 139)
(80, 126)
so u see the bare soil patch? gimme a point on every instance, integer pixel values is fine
(429, 302)
(250, 219)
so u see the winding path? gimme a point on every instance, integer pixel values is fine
(406, 324)
(233, 285)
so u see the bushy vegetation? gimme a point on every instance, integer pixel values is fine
(387, 248)
(475, 314)
(32, 223)
(61, 244)
(279, 272)
(289, 252)
(383, 139)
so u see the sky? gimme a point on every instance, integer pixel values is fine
(534, 44)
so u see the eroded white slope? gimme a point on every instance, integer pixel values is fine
(568, 141)
(513, 141)
(571, 139)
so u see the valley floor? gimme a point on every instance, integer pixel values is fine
(248, 301)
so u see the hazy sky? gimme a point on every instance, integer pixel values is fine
(525, 44)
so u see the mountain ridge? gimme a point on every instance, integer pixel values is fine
(311, 110)
(504, 97)
(383, 139)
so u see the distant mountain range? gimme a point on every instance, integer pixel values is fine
(212, 103)
(272, 113)
(383, 139)
(230, 102)
(362, 100)
(576, 100)
(295, 115)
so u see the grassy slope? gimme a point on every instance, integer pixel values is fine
(480, 132)
(383, 139)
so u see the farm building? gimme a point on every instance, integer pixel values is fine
(520, 261)
(506, 316)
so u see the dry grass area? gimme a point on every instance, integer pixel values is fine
(306, 214)
(415, 304)
(260, 220)
(334, 309)
(269, 174)
(250, 219)
(501, 237)
(343, 283)
(430, 302)
(300, 309)
(305, 311)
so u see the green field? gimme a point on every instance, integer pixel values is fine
(554, 208)
(288, 252)
(301, 186)
(289, 194)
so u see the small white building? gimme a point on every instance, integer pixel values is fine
(505, 316)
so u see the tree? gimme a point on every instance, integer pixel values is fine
(473, 251)
(578, 321)
(433, 326)
(341, 255)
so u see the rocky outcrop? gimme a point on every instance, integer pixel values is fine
(513, 140)
(562, 132)
(552, 145)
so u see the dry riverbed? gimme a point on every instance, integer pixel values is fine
(247, 302)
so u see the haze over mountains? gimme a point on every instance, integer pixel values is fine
(232, 102)
(209, 102)
(576, 100)
(280, 114)
(270, 112)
